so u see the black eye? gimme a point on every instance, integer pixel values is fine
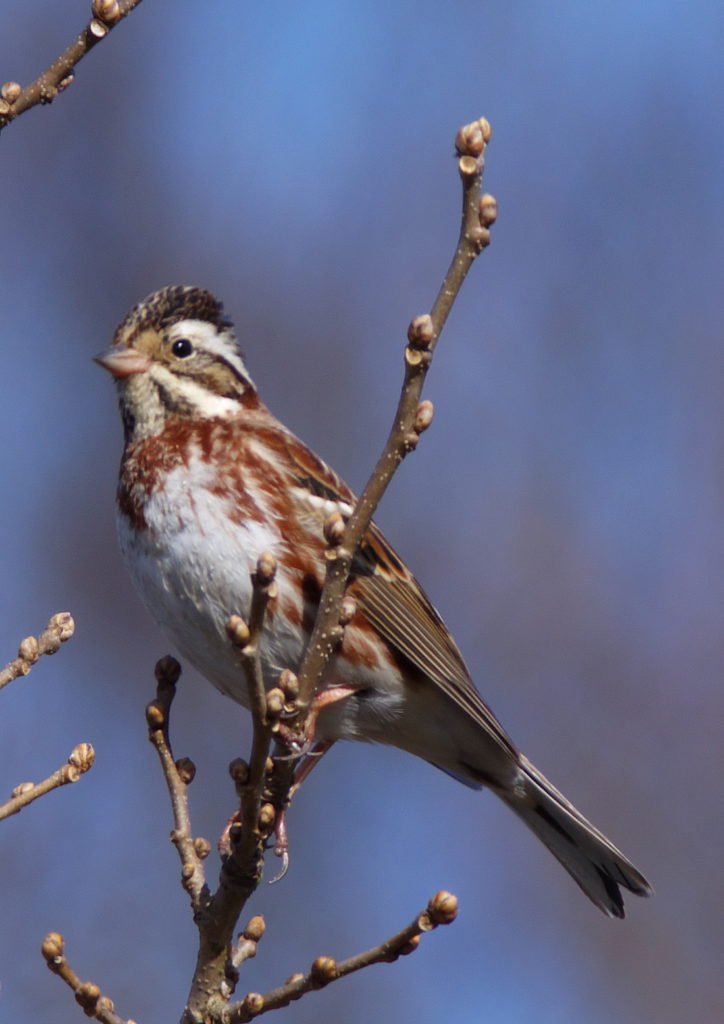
(182, 348)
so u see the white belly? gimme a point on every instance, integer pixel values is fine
(192, 567)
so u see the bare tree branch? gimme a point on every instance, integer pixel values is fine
(242, 869)
(178, 776)
(15, 100)
(87, 995)
(411, 416)
(60, 628)
(79, 761)
(246, 640)
(442, 909)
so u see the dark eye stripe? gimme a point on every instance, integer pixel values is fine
(233, 369)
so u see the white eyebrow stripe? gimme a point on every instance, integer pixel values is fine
(219, 342)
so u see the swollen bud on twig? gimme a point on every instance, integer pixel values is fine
(423, 416)
(334, 529)
(186, 770)
(472, 138)
(82, 757)
(324, 969)
(155, 716)
(274, 703)
(347, 610)
(480, 236)
(202, 847)
(289, 684)
(238, 631)
(266, 567)
(62, 623)
(255, 929)
(10, 92)
(421, 332)
(253, 1002)
(29, 651)
(107, 10)
(87, 996)
(239, 771)
(21, 789)
(167, 671)
(53, 948)
(488, 210)
(443, 908)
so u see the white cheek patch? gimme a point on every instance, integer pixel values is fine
(207, 403)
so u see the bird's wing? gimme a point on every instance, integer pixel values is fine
(394, 603)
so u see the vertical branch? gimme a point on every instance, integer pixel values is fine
(412, 416)
(242, 868)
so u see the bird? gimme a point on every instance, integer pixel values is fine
(209, 480)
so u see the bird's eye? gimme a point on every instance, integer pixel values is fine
(182, 348)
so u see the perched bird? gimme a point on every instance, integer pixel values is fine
(210, 480)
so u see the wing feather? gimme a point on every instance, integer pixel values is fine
(393, 602)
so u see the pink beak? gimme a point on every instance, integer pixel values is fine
(123, 362)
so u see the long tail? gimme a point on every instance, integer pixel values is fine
(591, 860)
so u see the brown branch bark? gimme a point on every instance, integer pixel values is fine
(15, 100)
(442, 909)
(87, 994)
(411, 417)
(242, 869)
(216, 913)
(177, 775)
(60, 628)
(79, 761)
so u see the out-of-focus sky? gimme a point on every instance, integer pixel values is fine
(564, 512)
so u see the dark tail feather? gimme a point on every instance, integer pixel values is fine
(591, 860)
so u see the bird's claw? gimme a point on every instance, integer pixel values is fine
(284, 854)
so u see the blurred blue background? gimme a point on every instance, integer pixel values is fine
(564, 513)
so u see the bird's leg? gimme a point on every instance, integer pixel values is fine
(300, 743)
(309, 755)
(307, 761)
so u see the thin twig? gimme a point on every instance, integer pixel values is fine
(442, 909)
(247, 641)
(178, 775)
(15, 100)
(244, 949)
(79, 761)
(411, 417)
(59, 629)
(87, 995)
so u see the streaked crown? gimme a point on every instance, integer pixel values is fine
(164, 308)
